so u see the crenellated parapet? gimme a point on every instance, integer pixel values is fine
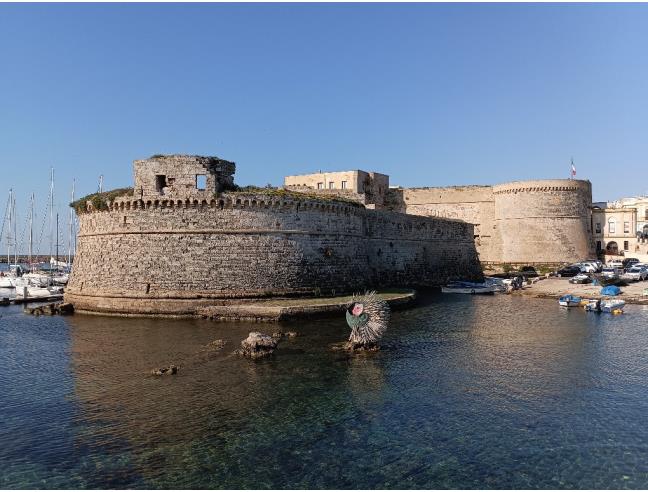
(171, 254)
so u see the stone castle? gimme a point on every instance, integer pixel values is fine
(184, 238)
(540, 222)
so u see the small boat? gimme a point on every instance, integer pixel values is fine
(37, 279)
(39, 293)
(593, 305)
(499, 284)
(469, 288)
(612, 305)
(7, 282)
(60, 279)
(569, 301)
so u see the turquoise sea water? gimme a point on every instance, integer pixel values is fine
(469, 392)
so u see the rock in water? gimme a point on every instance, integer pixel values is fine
(65, 308)
(257, 345)
(216, 344)
(165, 371)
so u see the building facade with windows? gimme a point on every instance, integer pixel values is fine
(640, 204)
(368, 188)
(614, 229)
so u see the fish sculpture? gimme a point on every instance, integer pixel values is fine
(367, 316)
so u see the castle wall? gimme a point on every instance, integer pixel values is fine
(544, 221)
(472, 204)
(171, 256)
(180, 173)
(530, 222)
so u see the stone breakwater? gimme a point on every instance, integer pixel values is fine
(172, 256)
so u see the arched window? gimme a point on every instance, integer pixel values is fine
(611, 225)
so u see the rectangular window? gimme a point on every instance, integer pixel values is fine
(598, 227)
(598, 245)
(331, 185)
(626, 245)
(320, 186)
(160, 182)
(626, 227)
(201, 182)
(611, 227)
(344, 185)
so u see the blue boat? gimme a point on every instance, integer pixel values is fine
(569, 301)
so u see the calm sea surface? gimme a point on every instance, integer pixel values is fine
(470, 392)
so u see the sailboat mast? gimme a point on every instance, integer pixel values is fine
(15, 231)
(9, 206)
(31, 229)
(57, 241)
(69, 257)
(51, 217)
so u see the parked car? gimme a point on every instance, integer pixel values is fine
(628, 262)
(528, 271)
(610, 272)
(581, 278)
(587, 267)
(598, 263)
(614, 264)
(635, 274)
(569, 271)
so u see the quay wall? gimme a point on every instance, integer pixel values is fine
(168, 256)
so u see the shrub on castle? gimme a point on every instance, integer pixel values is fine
(99, 201)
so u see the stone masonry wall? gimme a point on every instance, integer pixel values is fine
(530, 222)
(544, 221)
(472, 204)
(171, 256)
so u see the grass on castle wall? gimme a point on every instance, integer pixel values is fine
(295, 195)
(99, 201)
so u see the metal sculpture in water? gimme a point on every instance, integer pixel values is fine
(367, 316)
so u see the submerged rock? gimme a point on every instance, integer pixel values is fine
(216, 344)
(356, 347)
(281, 334)
(51, 309)
(165, 371)
(257, 345)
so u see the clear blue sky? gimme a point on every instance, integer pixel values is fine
(430, 94)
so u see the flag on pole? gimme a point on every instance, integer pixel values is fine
(573, 169)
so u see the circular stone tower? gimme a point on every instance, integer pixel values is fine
(544, 221)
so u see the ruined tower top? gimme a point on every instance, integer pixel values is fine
(182, 175)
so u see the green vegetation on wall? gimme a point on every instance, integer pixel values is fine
(295, 195)
(99, 201)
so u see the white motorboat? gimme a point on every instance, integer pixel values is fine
(612, 305)
(60, 279)
(30, 292)
(469, 288)
(7, 282)
(37, 279)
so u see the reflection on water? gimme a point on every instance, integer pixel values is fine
(483, 392)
